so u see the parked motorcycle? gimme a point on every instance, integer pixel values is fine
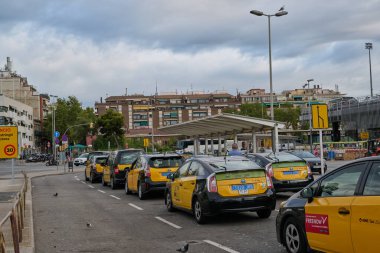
(52, 162)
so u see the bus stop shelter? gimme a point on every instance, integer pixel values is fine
(221, 125)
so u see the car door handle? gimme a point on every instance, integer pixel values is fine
(343, 211)
(180, 184)
(193, 183)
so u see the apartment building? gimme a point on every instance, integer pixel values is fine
(15, 113)
(16, 87)
(144, 114)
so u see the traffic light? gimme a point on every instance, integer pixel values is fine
(335, 132)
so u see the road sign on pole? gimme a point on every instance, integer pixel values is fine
(320, 116)
(9, 142)
(146, 142)
(56, 134)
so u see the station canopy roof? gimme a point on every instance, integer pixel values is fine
(223, 124)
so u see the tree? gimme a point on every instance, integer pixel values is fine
(257, 110)
(110, 126)
(289, 115)
(68, 113)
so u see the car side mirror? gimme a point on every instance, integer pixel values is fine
(171, 176)
(307, 193)
(103, 164)
(127, 169)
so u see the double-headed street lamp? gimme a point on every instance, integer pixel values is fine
(368, 46)
(280, 13)
(310, 112)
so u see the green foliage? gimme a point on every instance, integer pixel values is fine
(68, 114)
(110, 126)
(288, 115)
(257, 110)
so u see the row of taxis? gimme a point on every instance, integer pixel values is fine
(339, 212)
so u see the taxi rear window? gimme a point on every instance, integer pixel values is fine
(128, 157)
(165, 162)
(101, 160)
(234, 165)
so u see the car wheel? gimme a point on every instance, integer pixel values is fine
(103, 182)
(294, 238)
(127, 191)
(264, 213)
(85, 176)
(92, 180)
(113, 183)
(140, 192)
(198, 212)
(169, 203)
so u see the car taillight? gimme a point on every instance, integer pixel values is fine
(116, 169)
(309, 173)
(211, 183)
(269, 180)
(147, 171)
(269, 170)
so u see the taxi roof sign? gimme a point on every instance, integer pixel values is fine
(8, 142)
(320, 117)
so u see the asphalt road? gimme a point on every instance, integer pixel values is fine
(19, 166)
(123, 223)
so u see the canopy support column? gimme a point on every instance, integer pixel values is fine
(212, 145)
(254, 142)
(206, 146)
(219, 145)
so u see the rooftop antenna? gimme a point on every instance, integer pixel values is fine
(156, 88)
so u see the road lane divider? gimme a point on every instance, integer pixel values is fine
(137, 207)
(220, 246)
(83, 182)
(168, 222)
(101, 191)
(91, 186)
(113, 196)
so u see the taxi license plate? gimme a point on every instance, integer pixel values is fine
(242, 188)
(165, 173)
(290, 172)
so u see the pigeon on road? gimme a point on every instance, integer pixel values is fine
(55, 194)
(184, 248)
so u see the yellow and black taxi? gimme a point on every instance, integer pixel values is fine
(339, 212)
(87, 170)
(208, 186)
(97, 165)
(288, 172)
(149, 173)
(118, 162)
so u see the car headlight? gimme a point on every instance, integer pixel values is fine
(282, 204)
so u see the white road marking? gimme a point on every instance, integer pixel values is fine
(137, 207)
(101, 191)
(77, 179)
(114, 197)
(83, 182)
(168, 222)
(220, 246)
(277, 210)
(91, 186)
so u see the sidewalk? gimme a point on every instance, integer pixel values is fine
(8, 191)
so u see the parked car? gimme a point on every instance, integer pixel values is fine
(149, 173)
(313, 161)
(81, 160)
(339, 212)
(118, 162)
(213, 185)
(288, 172)
(97, 164)
(87, 170)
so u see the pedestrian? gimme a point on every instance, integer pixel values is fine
(235, 150)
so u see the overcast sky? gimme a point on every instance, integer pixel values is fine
(92, 49)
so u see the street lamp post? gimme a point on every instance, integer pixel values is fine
(53, 128)
(310, 112)
(368, 46)
(280, 13)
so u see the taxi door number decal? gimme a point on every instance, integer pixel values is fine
(317, 223)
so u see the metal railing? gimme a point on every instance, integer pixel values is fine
(16, 218)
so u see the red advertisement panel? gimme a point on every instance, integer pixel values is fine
(317, 223)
